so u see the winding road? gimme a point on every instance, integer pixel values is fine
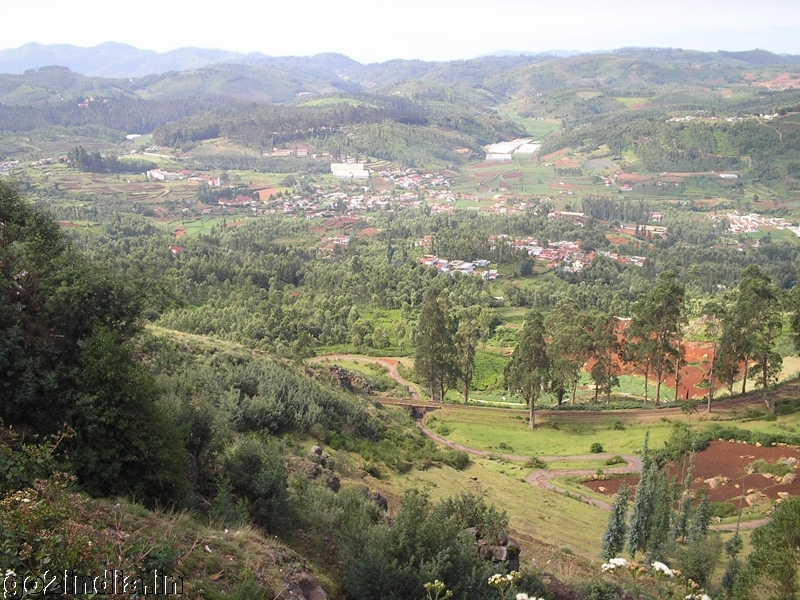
(540, 478)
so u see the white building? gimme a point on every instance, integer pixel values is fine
(349, 171)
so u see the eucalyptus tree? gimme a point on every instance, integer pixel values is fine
(436, 360)
(569, 348)
(655, 331)
(756, 324)
(529, 369)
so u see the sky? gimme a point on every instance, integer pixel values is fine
(378, 30)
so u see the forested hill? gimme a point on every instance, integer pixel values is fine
(30, 74)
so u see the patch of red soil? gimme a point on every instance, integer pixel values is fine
(179, 232)
(723, 460)
(567, 163)
(265, 193)
(631, 178)
(368, 232)
(513, 175)
(554, 155)
(785, 80)
(698, 355)
(617, 239)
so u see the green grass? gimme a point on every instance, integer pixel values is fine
(560, 436)
(534, 514)
(576, 465)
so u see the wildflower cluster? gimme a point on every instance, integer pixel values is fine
(435, 589)
(659, 573)
(523, 596)
(504, 582)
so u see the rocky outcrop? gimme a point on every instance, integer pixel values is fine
(304, 586)
(502, 550)
(349, 380)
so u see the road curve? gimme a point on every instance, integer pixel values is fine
(540, 478)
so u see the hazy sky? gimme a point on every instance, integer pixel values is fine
(428, 29)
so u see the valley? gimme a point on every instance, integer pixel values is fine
(308, 327)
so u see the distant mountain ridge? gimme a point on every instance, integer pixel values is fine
(115, 60)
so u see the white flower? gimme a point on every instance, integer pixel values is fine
(606, 567)
(705, 597)
(659, 566)
(619, 562)
(521, 596)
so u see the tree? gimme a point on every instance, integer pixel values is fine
(655, 330)
(435, 358)
(715, 314)
(569, 348)
(529, 369)
(466, 339)
(616, 530)
(605, 348)
(758, 321)
(776, 553)
(644, 503)
(701, 520)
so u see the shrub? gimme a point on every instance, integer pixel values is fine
(535, 462)
(597, 448)
(257, 473)
(597, 589)
(457, 459)
(615, 460)
(618, 425)
(722, 509)
(777, 468)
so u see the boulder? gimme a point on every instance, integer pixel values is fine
(316, 450)
(305, 586)
(767, 475)
(756, 498)
(715, 482)
(333, 483)
(788, 479)
(789, 462)
(382, 503)
(499, 553)
(502, 538)
(783, 495)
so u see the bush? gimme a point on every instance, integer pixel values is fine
(597, 448)
(615, 460)
(535, 462)
(457, 459)
(597, 589)
(618, 425)
(722, 509)
(777, 468)
(257, 473)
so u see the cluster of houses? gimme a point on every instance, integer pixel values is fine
(647, 231)
(636, 261)
(8, 166)
(412, 179)
(562, 254)
(750, 223)
(701, 117)
(460, 266)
